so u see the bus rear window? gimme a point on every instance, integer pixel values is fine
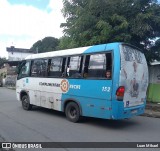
(131, 54)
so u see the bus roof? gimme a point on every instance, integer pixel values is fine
(74, 51)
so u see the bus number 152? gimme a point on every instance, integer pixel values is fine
(106, 89)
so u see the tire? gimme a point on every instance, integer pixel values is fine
(72, 112)
(25, 103)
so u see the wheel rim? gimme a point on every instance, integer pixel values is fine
(25, 103)
(73, 112)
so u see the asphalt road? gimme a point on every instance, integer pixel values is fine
(43, 125)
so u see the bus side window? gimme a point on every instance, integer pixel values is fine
(108, 66)
(74, 66)
(95, 66)
(56, 67)
(39, 68)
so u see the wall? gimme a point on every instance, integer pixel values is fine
(3, 71)
(16, 56)
(153, 94)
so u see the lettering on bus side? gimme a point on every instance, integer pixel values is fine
(106, 89)
(49, 84)
(75, 87)
(64, 85)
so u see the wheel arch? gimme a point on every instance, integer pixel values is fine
(72, 100)
(22, 93)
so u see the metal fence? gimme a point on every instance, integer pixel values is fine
(10, 80)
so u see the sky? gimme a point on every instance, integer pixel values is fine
(24, 22)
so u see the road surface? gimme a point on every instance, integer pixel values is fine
(43, 125)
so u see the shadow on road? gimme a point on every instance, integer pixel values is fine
(101, 123)
(48, 111)
(112, 124)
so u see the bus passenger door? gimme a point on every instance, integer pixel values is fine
(38, 71)
(34, 93)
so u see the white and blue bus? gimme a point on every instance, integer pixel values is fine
(74, 81)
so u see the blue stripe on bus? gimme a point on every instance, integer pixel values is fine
(103, 47)
(89, 97)
(89, 94)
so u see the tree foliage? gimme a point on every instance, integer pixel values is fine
(2, 60)
(66, 42)
(90, 22)
(45, 45)
(154, 53)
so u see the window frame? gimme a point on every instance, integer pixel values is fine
(28, 75)
(38, 76)
(65, 63)
(82, 56)
(112, 65)
(63, 66)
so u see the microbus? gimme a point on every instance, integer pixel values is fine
(75, 81)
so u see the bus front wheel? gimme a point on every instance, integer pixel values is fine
(72, 112)
(25, 103)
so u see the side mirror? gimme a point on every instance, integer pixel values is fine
(17, 69)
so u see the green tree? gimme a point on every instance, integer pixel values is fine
(45, 45)
(2, 60)
(90, 22)
(66, 42)
(154, 52)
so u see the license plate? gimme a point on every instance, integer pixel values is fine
(134, 111)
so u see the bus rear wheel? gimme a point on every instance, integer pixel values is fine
(72, 112)
(25, 103)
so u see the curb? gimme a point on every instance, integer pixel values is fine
(13, 88)
(151, 113)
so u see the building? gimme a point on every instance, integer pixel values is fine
(18, 54)
(153, 94)
(15, 55)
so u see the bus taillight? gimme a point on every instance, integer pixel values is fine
(120, 93)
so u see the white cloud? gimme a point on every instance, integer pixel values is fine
(24, 25)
